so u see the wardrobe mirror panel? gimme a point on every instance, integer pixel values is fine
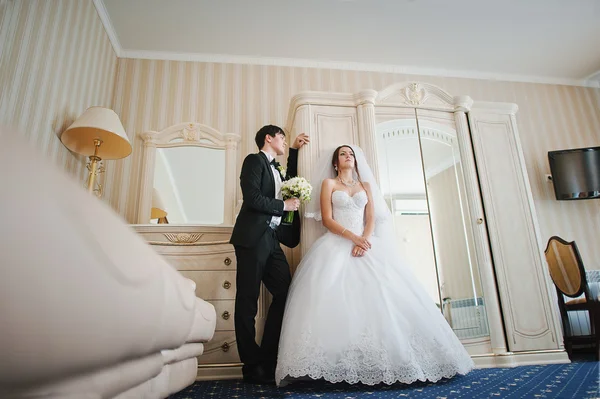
(421, 176)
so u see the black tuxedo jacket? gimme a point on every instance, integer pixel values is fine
(259, 203)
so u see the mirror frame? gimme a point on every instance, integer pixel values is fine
(193, 135)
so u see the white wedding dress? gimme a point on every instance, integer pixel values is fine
(362, 319)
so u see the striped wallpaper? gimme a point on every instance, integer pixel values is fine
(55, 61)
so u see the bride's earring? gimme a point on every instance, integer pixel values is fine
(335, 167)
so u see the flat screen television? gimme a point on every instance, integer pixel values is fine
(575, 173)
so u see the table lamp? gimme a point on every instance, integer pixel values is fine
(158, 208)
(98, 134)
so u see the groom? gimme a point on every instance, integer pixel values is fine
(256, 237)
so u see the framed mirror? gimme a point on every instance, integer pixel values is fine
(188, 176)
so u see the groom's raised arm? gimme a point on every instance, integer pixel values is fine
(250, 179)
(292, 163)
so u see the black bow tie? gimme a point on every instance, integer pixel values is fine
(275, 163)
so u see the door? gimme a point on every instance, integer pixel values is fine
(514, 235)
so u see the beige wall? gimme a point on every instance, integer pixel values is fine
(56, 60)
(152, 95)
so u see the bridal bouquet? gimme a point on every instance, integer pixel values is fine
(296, 187)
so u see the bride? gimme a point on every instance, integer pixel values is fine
(354, 311)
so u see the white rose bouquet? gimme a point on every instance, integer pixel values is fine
(296, 187)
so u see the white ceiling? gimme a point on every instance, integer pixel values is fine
(554, 41)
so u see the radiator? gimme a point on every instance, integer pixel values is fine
(580, 320)
(467, 317)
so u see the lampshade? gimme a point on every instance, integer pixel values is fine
(97, 123)
(158, 207)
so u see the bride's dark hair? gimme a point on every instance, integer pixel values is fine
(336, 154)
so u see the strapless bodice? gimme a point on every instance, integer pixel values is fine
(349, 210)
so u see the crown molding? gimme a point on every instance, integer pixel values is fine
(350, 66)
(594, 79)
(110, 31)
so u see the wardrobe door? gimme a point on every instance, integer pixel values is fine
(529, 320)
(402, 183)
(452, 227)
(334, 126)
(422, 176)
(328, 126)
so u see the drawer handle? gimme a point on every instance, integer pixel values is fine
(227, 261)
(226, 285)
(225, 315)
(225, 347)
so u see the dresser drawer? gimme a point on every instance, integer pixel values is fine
(194, 261)
(225, 310)
(221, 349)
(212, 285)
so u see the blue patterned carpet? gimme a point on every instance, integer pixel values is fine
(575, 380)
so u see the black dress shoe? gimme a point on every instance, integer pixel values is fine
(258, 375)
(270, 368)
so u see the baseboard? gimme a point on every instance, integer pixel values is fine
(514, 359)
(219, 372)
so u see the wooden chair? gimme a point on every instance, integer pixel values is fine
(568, 275)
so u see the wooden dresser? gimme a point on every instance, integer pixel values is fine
(203, 254)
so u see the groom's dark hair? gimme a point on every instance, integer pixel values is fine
(271, 130)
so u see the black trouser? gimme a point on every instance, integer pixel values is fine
(267, 263)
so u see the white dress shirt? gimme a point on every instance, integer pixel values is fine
(275, 220)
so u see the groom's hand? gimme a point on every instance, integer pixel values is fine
(300, 140)
(291, 204)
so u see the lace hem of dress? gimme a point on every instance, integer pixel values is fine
(368, 362)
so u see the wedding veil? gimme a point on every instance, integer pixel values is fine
(323, 169)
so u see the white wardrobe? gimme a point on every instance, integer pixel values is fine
(511, 287)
